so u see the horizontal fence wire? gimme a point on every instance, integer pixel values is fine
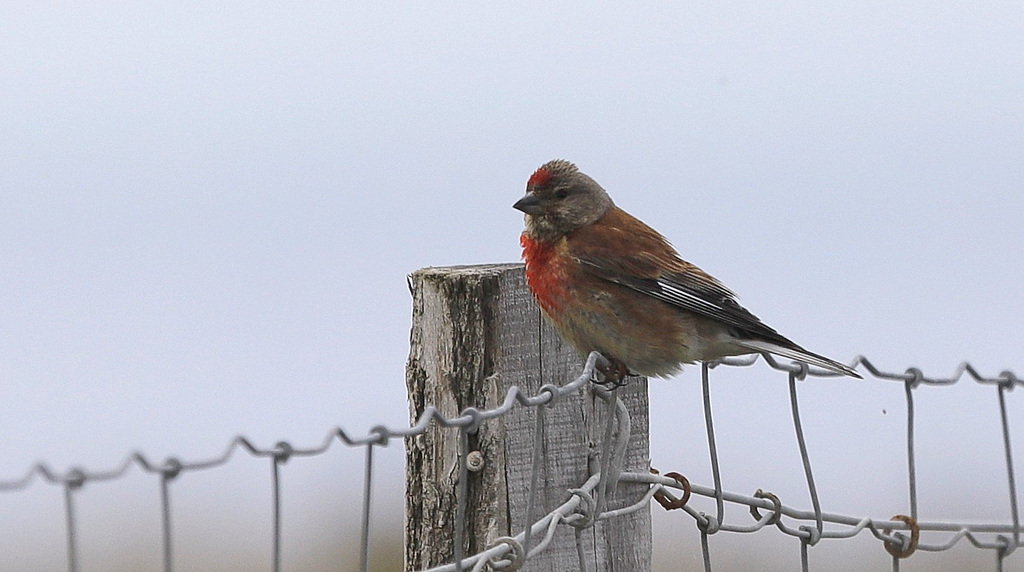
(583, 507)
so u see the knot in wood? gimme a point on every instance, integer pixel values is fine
(475, 461)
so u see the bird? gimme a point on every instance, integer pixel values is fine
(612, 284)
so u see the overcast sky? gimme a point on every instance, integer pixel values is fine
(207, 211)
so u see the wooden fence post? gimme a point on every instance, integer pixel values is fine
(477, 331)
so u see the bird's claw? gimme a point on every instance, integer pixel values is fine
(614, 374)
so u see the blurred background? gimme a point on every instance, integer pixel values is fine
(208, 210)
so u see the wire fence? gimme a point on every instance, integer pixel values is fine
(585, 506)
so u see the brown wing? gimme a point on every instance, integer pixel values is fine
(622, 249)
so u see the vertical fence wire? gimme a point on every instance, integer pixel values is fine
(276, 510)
(911, 464)
(712, 449)
(69, 516)
(538, 447)
(460, 498)
(581, 555)
(704, 550)
(165, 520)
(607, 451)
(364, 540)
(1010, 477)
(819, 523)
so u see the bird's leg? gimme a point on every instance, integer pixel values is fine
(614, 373)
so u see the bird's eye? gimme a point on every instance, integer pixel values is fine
(562, 194)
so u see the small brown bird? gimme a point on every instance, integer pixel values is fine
(608, 282)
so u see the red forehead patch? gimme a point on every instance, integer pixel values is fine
(539, 178)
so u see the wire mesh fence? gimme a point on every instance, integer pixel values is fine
(900, 535)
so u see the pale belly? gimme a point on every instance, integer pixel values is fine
(651, 337)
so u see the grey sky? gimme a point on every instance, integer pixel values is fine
(207, 212)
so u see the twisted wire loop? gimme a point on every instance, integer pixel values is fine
(586, 513)
(510, 561)
(902, 546)
(776, 514)
(665, 498)
(583, 507)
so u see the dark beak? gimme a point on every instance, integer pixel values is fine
(529, 204)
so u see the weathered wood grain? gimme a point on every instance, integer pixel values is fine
(476, 332)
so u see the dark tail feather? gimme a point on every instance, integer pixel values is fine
(801, 355)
